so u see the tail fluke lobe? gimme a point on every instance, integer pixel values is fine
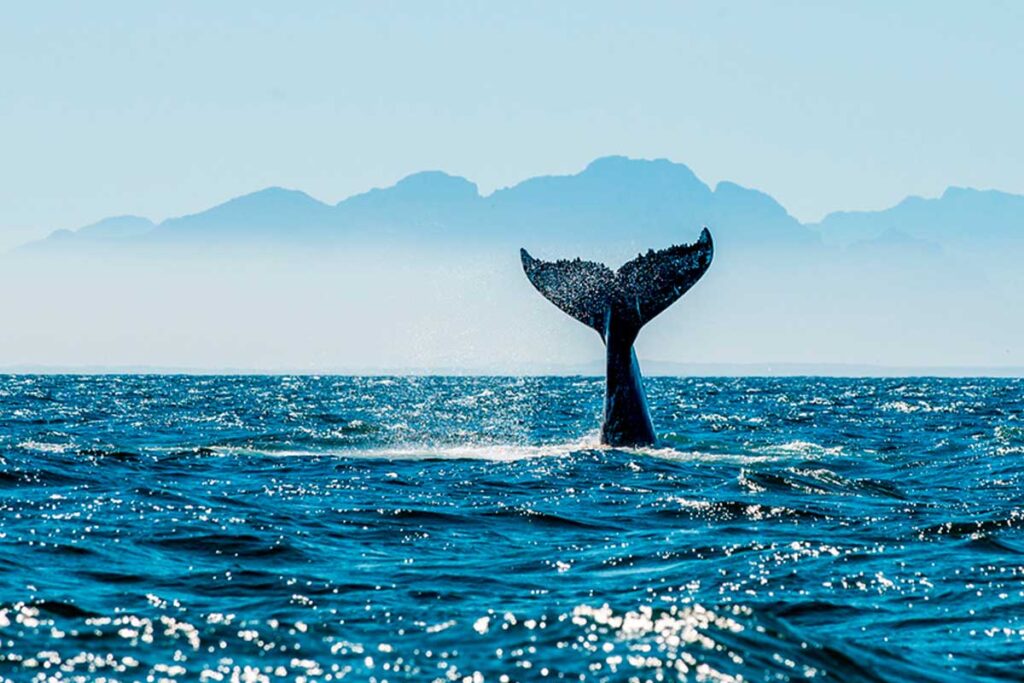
(636, 293)
(580, 288)
(652, 282)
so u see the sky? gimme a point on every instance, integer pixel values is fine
(162, 109)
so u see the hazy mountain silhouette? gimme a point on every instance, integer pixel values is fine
(274, 214)
(106, 231)
(614, 199)
(428, 205)
(961, 216)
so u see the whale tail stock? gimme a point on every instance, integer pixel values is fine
(631, 296)
(616, 305)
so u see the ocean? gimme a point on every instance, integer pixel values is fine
(263, 528)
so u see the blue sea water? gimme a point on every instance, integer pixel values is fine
(390, 529)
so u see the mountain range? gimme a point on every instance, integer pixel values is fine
(637, 203)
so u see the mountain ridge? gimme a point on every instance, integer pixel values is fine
(621, 198)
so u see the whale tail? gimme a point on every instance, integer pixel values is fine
(632, 296)
(617, 304)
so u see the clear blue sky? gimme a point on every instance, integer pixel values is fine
(161, 109)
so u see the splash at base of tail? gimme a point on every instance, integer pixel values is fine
(616, 305)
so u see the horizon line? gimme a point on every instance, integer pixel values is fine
(683, 370)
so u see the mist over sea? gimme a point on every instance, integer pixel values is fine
(430, 528)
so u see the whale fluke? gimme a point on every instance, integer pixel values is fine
(616, 305)
(579, 288)
(654, 281)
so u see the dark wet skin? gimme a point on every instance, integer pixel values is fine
(627, 420)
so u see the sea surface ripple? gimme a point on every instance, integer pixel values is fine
(175, 528)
